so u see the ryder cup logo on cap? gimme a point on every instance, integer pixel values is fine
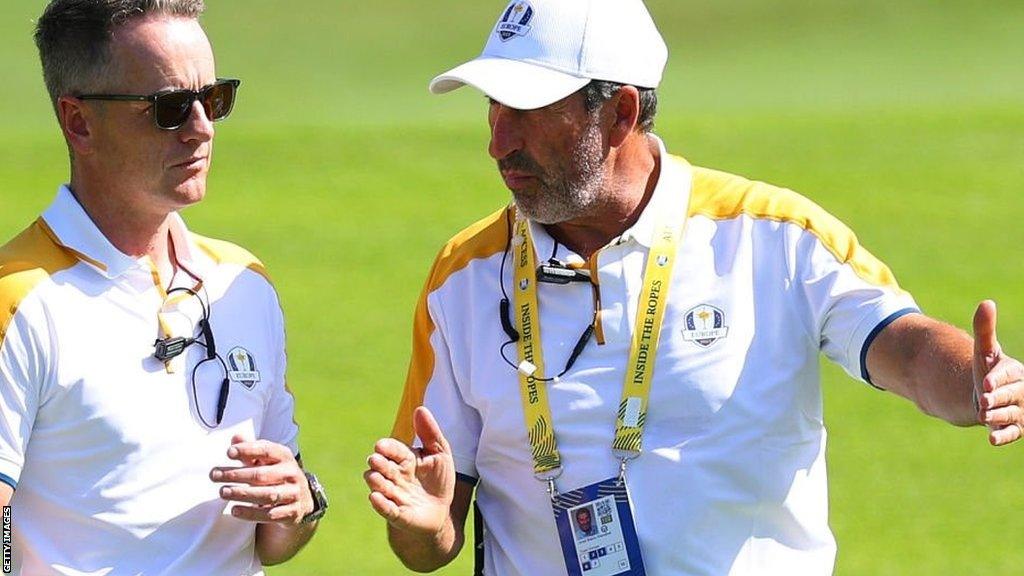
(516, 21)
(541, 51)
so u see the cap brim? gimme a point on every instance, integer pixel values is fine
(517, 84)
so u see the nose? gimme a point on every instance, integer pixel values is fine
(198, 127)
(506, 133)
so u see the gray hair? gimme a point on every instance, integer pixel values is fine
(600, 91)
(73, 37)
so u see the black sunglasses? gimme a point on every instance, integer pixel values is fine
(172, 108)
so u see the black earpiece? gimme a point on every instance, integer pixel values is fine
(506, 320)
(578, 348)
(222, 400)
(211, 347)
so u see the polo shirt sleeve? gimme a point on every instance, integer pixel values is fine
(847, 295)
(431, 382)
(22, 378)
(279, 423)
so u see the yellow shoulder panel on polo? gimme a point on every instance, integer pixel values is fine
(721, 196)
(227, 253)
(28, 259)
(483, 239)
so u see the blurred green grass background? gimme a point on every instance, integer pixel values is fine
(905, 119)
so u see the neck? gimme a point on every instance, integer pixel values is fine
(633, 174)
(131, 230)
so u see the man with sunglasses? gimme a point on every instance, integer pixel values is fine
(688, 415)
(145, 424)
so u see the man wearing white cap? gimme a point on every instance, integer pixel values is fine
(638, 338)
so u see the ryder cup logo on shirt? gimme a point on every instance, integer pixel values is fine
(515, 21)
(705, 325)
(242, 367)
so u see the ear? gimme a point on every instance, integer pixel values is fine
(75, 122)
(627, 113)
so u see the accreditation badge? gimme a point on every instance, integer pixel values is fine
(595, 527)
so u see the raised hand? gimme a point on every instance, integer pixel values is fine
(412, 488)
(997, 381)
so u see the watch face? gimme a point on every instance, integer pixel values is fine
(319, 499)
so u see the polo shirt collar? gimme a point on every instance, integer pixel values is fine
(671, 198)
(73, 228)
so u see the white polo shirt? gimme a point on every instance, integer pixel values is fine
(102, 441)
(732, 478)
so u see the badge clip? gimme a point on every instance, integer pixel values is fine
(549, 477)
(624, 457)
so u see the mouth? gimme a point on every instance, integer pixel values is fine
(194, 163)
(516, 180)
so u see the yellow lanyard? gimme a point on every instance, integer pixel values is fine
(636, 390)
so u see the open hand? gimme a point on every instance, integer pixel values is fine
(412, 488)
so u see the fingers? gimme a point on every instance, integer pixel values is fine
(278, 493)
(253, 476)
(1001, 400)
(429, 432)
(270, 483)
(384, 477)
(259, 452)
(1002, 417)
(388, 468)
(385, 497)
(1006, 371)
(290, 514)
(382, 485)
(1005, 435)
(262, 496)
(1002, 386)
(383, 506)
(394, 450)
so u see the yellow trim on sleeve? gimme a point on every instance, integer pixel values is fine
(53, 238)
(483, 239)
(28, 259)
(722, 196)
(227, 253)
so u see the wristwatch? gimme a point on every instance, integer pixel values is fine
(319, 499)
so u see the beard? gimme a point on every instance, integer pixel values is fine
(564, 192)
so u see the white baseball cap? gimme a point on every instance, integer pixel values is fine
(541, 51)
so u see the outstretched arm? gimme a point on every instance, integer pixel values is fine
(943, 370)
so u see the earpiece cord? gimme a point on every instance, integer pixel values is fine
(195, 391)
(504, 256)
(577, 350)
(211, 352)
(506, 322)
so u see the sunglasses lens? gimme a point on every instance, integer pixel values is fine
(172, 109)
(219, 99)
